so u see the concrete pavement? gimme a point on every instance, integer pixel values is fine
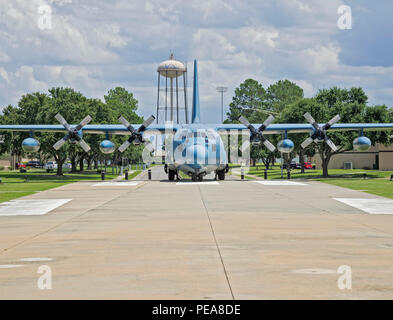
(233, 240)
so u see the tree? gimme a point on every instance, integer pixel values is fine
(294, 113)
(351, 105)
(249, 97)
(74, 107)
(253, 102)
(122, 103)
(282, 93)
(25, 112)
(40, 108)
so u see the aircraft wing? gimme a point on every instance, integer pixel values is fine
(117, 129)
(306, 128)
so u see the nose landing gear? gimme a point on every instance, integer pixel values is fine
(197, 177)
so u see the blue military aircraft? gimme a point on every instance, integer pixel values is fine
(196, 149)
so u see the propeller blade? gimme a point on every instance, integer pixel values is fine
(268, 121)
(63, 121)
(309, 117)
(244, 121)
(331, 144)
(245, 145)
(126, 123)
(149, 146)
(84, 122)
(147, 123)
(84, 145)
(334, 120)
(124, 146)
(60, 143)
(60, 118)
(269, 145)
(307, 142)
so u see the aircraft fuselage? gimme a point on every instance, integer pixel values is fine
(197, 151)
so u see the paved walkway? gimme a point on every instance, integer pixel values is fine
(230, 240)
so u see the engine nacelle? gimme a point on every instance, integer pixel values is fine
(73, 140)
(361, 143)
(30, 145)
(285, 146)
(107, 146)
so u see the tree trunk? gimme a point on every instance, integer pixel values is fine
(81, 163)
(59, 171)
(325, 166)
(73, 164)
(95, 164)
(89, 159)
(60, 161)
(301, 156)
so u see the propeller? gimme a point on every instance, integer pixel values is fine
(320, 132)
(136, 135)
(256, 135)
(72, 133)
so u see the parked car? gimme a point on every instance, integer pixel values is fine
(34, 164)
(293, 165)
(309, 165)
(19, 165)
(50, 165)
(67, 165)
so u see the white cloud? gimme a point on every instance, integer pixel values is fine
(96, 45)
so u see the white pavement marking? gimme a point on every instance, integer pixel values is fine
(9, 266)
(372, 206)
(193, 183)
(35, 259)
(115, 184)
(280, 183)
(30, 207)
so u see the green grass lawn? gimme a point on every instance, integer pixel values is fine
(15, 184)
(375, 182)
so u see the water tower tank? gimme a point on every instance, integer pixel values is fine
(171, 68)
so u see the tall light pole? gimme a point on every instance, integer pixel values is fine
(222, 90)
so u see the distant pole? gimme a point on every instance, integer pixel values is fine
(282, 160)
(158, 94)
(222, 90)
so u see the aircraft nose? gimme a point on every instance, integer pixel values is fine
(195, 155)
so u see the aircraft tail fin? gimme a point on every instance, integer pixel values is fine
(195, 97)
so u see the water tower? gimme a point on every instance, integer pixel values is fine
(170, 96)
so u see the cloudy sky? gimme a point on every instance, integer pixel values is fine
(95, 45)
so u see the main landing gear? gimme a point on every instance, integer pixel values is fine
(172, 174)
(220, 174)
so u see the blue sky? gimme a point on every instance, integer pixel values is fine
(94, 46)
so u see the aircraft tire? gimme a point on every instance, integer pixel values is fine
(221, 175)
(171, 175)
